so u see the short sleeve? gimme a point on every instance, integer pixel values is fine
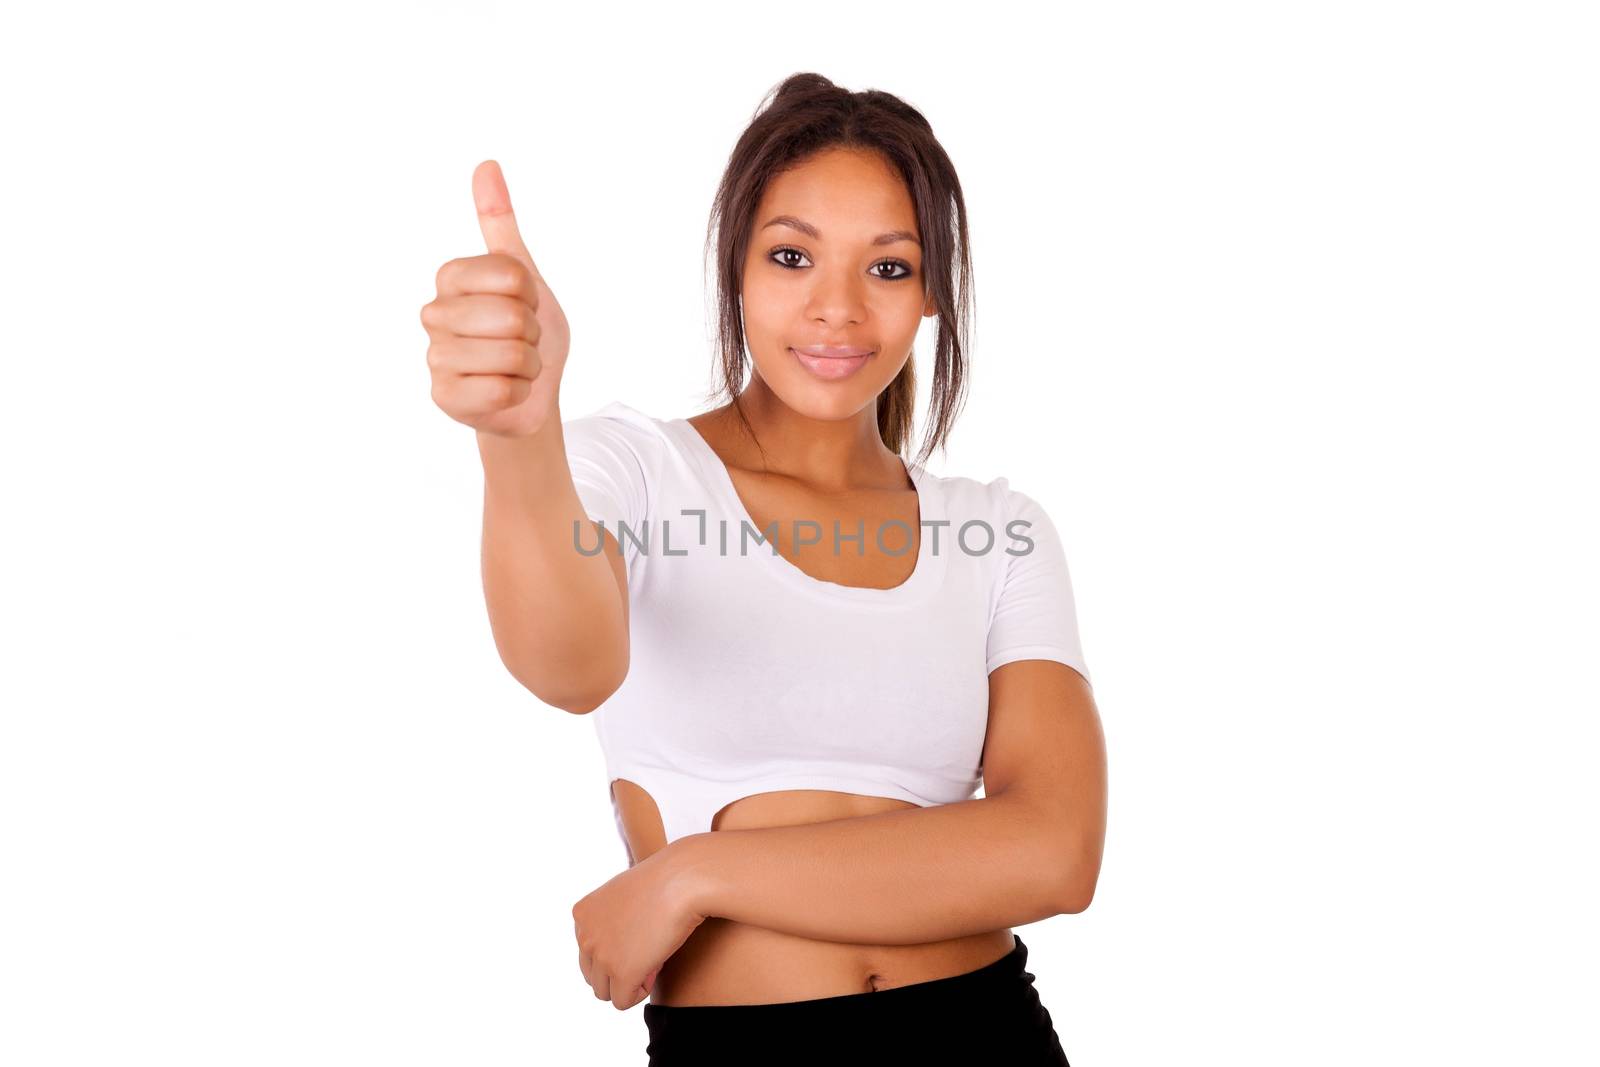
(1035, 614)
(604, 454)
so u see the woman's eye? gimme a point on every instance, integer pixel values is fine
(785, 257)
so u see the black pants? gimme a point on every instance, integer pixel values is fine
(988, 1016)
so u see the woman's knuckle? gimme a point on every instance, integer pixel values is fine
(515, 278)
(518, 316)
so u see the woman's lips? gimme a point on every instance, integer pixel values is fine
(832, 363)
(832, 350)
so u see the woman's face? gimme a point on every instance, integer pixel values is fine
(834, 263)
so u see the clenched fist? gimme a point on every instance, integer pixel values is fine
(497, 339)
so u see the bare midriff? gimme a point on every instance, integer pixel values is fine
(727, 962)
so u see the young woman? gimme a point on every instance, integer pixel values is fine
(803, 652)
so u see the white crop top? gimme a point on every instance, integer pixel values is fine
(748, 675)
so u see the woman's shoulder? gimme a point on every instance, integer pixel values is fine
(621, 424)
(621, 414)
(980, 497)
(623, 445)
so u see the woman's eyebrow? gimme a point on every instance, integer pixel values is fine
(816, 235)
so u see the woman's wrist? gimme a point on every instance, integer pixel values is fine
(689, 874)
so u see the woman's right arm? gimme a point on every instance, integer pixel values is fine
(498, 343)
(560, 617)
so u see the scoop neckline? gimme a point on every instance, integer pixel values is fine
(924, 577)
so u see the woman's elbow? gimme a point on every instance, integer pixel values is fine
(1076, 899)
(1077, 878)
(576, 695)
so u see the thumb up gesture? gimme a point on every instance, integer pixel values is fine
(497, 339)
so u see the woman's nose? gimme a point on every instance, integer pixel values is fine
(837, 299)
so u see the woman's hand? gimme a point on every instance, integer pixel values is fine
(633, 924)
(498, 340)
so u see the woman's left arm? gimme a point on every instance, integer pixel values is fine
(1030, 848)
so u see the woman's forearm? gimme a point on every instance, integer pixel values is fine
(908, 876)
(558, 616)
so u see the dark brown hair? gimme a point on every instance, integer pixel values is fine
(805, 114)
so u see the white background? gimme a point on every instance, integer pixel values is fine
(1285, 312)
